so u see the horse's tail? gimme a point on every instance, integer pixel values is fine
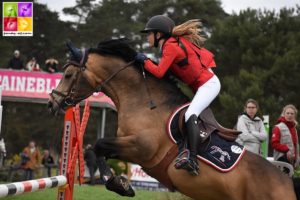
(296, 182)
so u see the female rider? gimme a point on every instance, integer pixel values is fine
(183, 54)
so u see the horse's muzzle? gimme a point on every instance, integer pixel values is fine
(54, 108)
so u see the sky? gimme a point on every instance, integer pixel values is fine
(228, 5)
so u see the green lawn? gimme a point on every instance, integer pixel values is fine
(87, 192)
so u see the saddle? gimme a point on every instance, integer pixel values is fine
(208, 124)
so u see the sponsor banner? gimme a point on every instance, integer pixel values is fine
(137, 174)
(139, 179)
(38, 85)
(17, 19)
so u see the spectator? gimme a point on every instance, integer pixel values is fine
(32, 65)
(91, 162)
(285, 137)
(48, 162)
(252, 127)
(16, 62)
(51, 65)
(30, 160)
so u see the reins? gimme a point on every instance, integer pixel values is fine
(151, 103)
(98, 88)
(69, 100)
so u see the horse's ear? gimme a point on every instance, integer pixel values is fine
(76, 54)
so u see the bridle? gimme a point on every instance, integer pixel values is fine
(69, 98)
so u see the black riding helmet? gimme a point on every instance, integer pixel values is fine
(159, 23)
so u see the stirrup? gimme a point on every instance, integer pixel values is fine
(181, 155)
(120, 185)
(188, 164)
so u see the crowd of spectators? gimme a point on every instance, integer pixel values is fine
(17, 63)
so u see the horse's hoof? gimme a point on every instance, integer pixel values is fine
(120, 185)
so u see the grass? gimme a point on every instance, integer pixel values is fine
(86, 192)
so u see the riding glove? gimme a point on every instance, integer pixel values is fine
(140, 57)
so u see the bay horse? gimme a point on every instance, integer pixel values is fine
(142, 137)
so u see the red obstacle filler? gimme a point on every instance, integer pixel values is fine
(72, 152)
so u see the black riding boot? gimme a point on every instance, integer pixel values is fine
(190, 163)
(118, 184)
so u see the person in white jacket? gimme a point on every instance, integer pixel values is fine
(252, 128)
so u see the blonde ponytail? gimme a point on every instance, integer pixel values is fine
(190, 30)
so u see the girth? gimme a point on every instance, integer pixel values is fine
(160, 170)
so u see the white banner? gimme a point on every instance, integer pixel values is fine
(137, 174)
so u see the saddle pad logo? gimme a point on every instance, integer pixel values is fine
(17, 19)
(223, 154)
(236, 149)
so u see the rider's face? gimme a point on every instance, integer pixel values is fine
(150, 38)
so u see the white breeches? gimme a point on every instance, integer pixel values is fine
(203, 97)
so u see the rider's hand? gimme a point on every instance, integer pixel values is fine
(140, 57)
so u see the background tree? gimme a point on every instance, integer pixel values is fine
(256, 55)
(49, 38)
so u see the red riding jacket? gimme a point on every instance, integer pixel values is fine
(194, 72)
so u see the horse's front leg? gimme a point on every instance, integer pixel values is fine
(111, 148)
(124, 148)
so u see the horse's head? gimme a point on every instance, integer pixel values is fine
(74, 85)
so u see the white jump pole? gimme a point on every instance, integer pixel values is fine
(31, 185)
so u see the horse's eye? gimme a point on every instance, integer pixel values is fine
(67, 76)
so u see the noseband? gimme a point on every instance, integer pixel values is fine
(69, 98)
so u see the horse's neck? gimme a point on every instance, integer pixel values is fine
(132, 98)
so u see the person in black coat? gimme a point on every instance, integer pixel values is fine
(91, 162)
(15, 62)
(48, 162)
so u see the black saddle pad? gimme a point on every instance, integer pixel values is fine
(216, 151)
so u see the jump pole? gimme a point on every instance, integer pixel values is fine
(31, 186)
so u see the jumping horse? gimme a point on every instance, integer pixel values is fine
(141, 136)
